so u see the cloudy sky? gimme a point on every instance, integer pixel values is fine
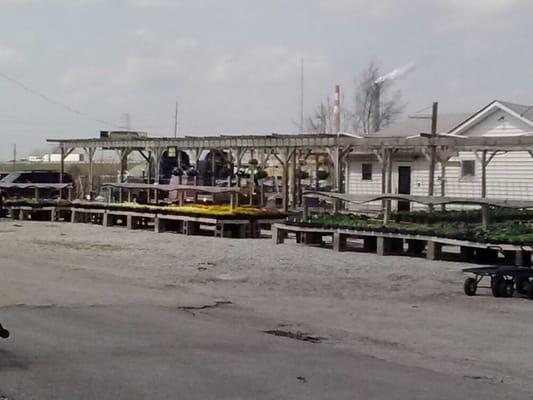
(234, 65)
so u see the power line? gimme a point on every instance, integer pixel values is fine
(54, 102)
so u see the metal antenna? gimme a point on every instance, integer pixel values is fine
(176, 121)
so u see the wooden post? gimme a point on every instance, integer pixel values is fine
(443, 163)
(285, 187)
(179, 166)
(294, 189)
(213, 178)
(386, 216)
(62, 165)
(158, 153)
(90, 154)
(383, 160)
(433, 151)
(239, 160)
(150, 167)
(123, 163)
(337, 183)
(230, 167)
(484, 208)
(251, 186)
(434, 250)
(232, 200)
(317, 181)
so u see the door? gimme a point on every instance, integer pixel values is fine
(404, 186)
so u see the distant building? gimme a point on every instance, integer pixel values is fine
(56, 158)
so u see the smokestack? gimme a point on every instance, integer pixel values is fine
(337, 111)
(376, 107)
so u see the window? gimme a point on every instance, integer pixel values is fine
(367, 172)
(468, 168)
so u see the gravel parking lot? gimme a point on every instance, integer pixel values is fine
(146, 315)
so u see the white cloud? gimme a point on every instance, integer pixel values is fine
(381, 7)
(481, 6)
(9, 55)
(47, 2)
(186, 43)
(143, 32)
(155, 3)
(266, 64)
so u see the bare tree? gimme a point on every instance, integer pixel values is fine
(376, 104)
(320, 121)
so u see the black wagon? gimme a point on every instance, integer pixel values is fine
(504, 280)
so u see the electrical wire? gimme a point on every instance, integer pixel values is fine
(54, 102)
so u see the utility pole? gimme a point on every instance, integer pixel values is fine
(14, 155)
(302, 97)
(433, 152)
(176, 121)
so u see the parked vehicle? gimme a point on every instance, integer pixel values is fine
(34, 176)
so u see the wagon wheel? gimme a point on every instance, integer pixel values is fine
(522, 285)
(507, 288)
(470, 286)
(496, 284)
(530, 292)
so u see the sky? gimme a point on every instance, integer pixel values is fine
(234, 65)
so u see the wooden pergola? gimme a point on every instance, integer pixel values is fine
(290, 149)
(438, 149)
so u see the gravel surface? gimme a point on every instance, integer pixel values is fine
(406, 311)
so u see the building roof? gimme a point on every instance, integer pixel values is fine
(415, 126)
(446, 123)
(519, 111)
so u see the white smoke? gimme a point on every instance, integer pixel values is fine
(397, 73)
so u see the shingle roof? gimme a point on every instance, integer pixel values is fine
(415, 126)
(522, 110)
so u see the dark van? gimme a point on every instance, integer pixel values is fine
(34, 176)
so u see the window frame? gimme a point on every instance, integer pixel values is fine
(468, 176)
(367, 175)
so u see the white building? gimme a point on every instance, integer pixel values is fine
(509, 175)
(56, 158)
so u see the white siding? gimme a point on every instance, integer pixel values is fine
(509, 175)
(499, 123)
(356, 184)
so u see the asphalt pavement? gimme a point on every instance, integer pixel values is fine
(152, 352)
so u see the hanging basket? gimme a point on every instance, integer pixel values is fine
(303, 175)
(261, 174)
(321, 175)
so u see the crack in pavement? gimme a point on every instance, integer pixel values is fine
(296, 336)
(191, 309)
